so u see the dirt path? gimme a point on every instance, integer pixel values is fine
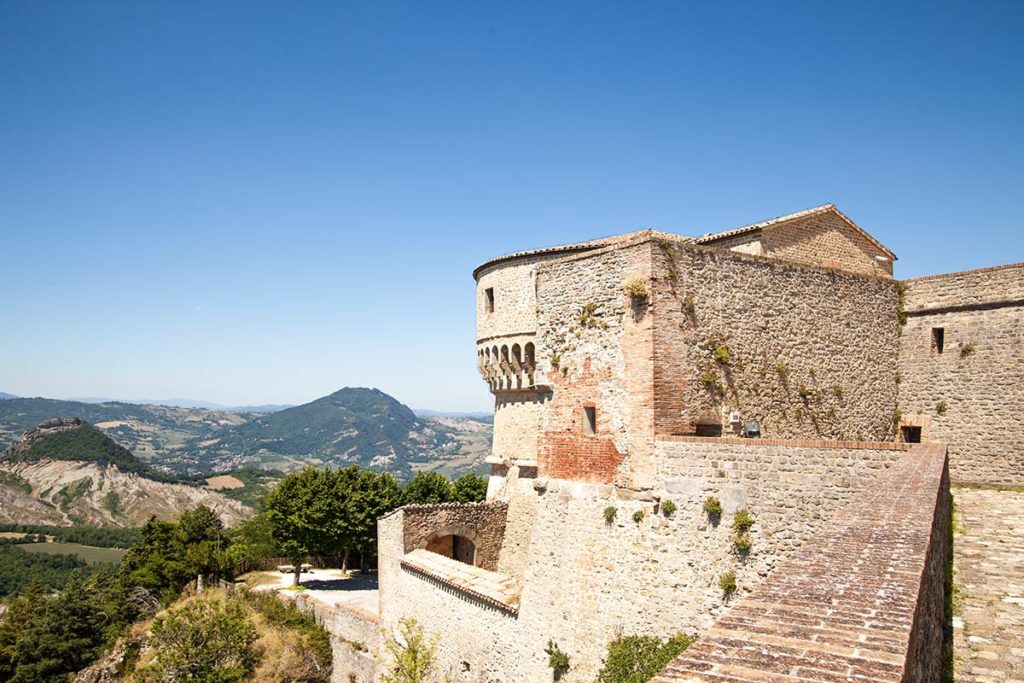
(989, 559)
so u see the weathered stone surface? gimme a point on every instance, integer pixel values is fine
(861, 600)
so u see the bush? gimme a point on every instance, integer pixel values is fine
(412, 654)
(741, 544)
(713, 509)
(638, 516)
(609, 514)
(636, 288)
(722, 355)
(742, 521)
(557, 660)
(941, 407)
(727, 582)
(637, 659)
(668, 508)
(966, 350)
(204, 641)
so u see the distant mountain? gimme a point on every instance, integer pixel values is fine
(185, 403)
(363, 426)
(3, 396)
(66, 471)
(352, 425)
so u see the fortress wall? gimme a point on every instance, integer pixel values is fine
(595, 350)
(584, 579)
(482, 523)
(978, 379)
(885, 613)
(355, 639)
(812, 352)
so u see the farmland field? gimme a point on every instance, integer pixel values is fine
(88, 553)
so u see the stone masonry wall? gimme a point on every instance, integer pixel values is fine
(809, 352)
(863, 599)
(970, 396)
(585, 579)
(482, 523)
(595, 349)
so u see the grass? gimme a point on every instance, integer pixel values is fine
(90, 554)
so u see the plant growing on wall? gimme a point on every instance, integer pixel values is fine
(638, 516)
(636, 288)
(590, 318)
(742, 521)
(721, 354)
(727, 582)
(609, 514)
(713, 509)
(901, 304)
(668, 508)
(636, 659)
(741, 544)
(782, 369)
(966, 350)
(557, 660)
(837, 391)
(941, 407)
(412, 654)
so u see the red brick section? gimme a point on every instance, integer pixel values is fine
(861, 601)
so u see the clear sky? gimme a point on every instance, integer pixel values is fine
(250, 202)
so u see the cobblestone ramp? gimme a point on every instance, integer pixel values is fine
(989, 550)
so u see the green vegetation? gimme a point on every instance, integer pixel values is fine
(557, 660)
(87, 444)
(727, 582)
(638, 516)
(636, 288)
(257, 484)
(941, 408)
(14, 481)
(428, 488)
(609, 514)
(742, 521)
(470, 488)
(721, 354)
(966, 350)
(90, 554)
(713, 509)
(668, 508)
(19, 568)
(412, 654)
(203, 642)
(638, 659)
(85, 535)
(741, 544)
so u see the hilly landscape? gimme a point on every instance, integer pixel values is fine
(67, 472)
(352, 425)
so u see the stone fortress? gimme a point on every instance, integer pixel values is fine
(777, 368)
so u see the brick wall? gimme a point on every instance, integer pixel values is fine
(970, 396)
(862, 599)
(825, 239)
(812, 352)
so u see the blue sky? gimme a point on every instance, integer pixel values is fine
(253, 202)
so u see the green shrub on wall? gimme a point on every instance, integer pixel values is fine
(713, 509)
(727, 582)
(557, 660)
(742, 522)
(609, 514)
(638, 659)
(668, 508)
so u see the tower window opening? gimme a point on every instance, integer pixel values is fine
(489, 299)
(589, 420)
(938, 339)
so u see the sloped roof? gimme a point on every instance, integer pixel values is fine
(712, 237)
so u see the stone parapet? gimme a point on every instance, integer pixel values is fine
(860, 600)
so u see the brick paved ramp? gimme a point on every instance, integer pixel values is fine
(862, 600)
(989, 549)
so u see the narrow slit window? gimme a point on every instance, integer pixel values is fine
(938, 339)
(590, 420)
(489, 299)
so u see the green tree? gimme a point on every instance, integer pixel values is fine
(470, 488)
(368, 495)
(202, 541)
(306, 515)
(252, 540)
(204, 641)
(428, 488)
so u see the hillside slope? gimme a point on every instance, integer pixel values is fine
(352, 425)
(68, 472)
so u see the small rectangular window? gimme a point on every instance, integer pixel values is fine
(911, 434)
(590, 420)
(489, 299)
(938, 339)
